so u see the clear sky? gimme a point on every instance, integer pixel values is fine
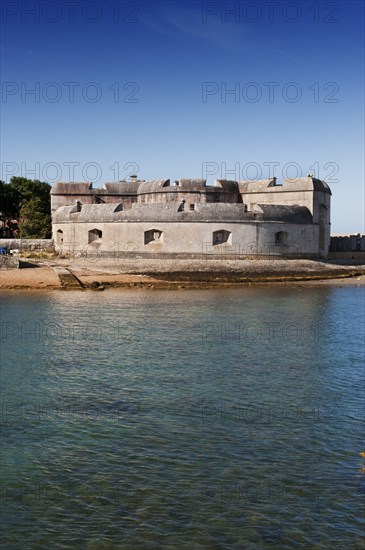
(98, 90)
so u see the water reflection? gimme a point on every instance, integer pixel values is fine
(215, 419)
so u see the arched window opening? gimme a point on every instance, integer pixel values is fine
(281, 238)
(153, 236)
(94, 235)
(222, 236)
(59, 236)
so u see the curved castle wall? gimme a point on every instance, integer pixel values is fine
(200, 238)
(254, 218)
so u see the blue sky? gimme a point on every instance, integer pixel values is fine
(143, 86)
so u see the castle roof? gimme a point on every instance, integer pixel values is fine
(290, 184)
(121, 187)
(71, 188)
(168, 212)
(141, 187)
(229, 186)
(286, 213)
(153, 186)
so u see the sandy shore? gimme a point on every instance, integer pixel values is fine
(39, 277)
(170, 274)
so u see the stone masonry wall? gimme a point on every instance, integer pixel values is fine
(41, 245)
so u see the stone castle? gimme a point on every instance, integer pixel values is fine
(188, 218)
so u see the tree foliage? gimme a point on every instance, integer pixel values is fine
(34, 223)
(29, 202)
(9, 203)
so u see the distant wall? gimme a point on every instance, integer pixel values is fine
(347, 243)
(41, 245)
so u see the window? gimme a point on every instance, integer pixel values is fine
(153, 236)
(98, 200)
(192, 207)
(94, 235)
(59, 237)
(222, 236)
(281, 238)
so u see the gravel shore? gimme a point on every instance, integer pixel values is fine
(101, 274)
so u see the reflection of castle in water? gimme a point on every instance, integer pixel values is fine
(190, 218)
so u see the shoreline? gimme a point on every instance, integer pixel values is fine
(166, 275)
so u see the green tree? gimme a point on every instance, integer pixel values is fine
(9, 203)
(28, 201)
(34, 222)
(29, 189)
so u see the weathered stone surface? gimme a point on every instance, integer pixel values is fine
(348, 243)
(23, 245)
(8, 262)
(191, 217)
(68, 280)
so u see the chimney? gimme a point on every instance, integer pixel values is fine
(134, 178)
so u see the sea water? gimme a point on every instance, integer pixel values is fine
(191, 419)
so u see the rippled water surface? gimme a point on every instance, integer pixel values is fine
(189, 420)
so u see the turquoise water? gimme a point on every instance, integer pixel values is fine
(191, 420)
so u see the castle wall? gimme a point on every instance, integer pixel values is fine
(275, 195)
(318, 203)
(262, 218)
(248, 238)
(90, 198)
(190, 197)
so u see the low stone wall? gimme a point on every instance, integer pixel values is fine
(8, 262)
(25, 245)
